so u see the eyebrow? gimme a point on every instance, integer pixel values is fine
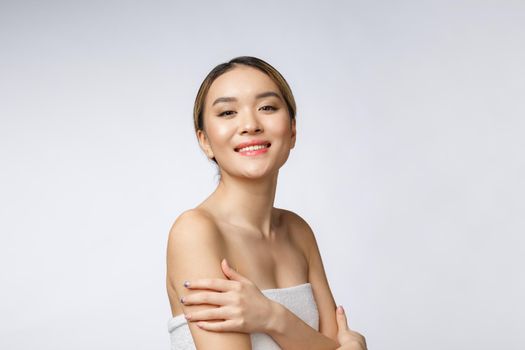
(261, 95)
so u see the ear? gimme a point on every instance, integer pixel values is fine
(205, 143)
(294, 132)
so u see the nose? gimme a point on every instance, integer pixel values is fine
(250, 123)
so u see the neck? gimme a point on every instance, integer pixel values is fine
(247, 203)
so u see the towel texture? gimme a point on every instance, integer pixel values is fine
(298, 299)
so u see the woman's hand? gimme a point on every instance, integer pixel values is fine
(348, 339)
(241, 305)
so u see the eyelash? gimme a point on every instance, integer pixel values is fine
(272, 108)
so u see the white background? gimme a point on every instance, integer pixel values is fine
(408, 165)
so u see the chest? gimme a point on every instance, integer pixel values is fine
(270, 263)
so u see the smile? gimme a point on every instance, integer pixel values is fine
(254, 150)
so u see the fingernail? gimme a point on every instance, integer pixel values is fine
(182, 300)
(187, 317)
(340, 309)
(186, 284)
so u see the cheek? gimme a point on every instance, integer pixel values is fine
(219, 133)
(280, 127)
(222, 133)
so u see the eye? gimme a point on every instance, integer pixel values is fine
(268, 108)
(226, 113)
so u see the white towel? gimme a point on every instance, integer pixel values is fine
(298, 299)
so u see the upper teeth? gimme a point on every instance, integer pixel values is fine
(252, 148)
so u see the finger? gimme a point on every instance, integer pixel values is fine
(362, 339)
(342, 323)
(224, 326)
(219, 313)
(218, 284)
(231, 273)
(213, 298)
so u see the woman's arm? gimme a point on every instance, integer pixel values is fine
(288, 329)
(292, 333)
(195, 250)
(322, 293)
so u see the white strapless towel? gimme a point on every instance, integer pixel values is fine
(298, 299)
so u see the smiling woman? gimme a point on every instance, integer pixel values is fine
(281, 91)
(279, 296)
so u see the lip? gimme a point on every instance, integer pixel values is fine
(252, 143)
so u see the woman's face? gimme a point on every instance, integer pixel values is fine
(244, 105)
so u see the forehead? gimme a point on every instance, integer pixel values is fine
(241, 82)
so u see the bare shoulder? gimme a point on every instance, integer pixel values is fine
(300, 230)
(304, 234)
(192, 232)
(193, 225)
(191, 218)
(194, 239)
(195, 250)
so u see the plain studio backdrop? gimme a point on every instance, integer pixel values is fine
(409, 161)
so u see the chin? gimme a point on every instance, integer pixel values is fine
(255, 172)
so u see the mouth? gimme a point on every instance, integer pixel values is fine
(253, 148)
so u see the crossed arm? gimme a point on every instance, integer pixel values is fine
(195, 250)
(290, 331)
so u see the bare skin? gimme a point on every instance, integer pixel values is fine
(349, 339)
(270, 247)
(237, 302)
